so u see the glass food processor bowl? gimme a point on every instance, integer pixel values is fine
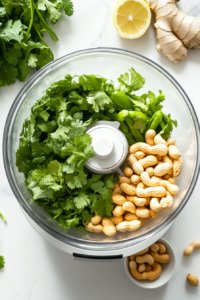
(109, 63)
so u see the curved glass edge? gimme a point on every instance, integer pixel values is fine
(25, 205)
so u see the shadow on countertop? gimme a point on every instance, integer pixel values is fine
(100, 280)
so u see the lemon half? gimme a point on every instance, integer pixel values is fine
(131, 18)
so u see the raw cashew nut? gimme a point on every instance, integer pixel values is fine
(166, 159)
(118, 199)
(152, 214)
(149, 137)
(161, 258)
(128, 206)
(162, 248)
(108, 227)
(142, 212)
(141, 185)
(152, 275)
(124, 179)
(148, 161)
(155, 181)
(137, 201)
(134, 271)
(157, 192)
(128, 189)
(139, 253)
(135, 179)
(148, 268)
(137, 168)
(177, 167)
(171, 141)
(150, 171)
(118, 211)
(155, 205)
(146, 258)
(117, 220)
(128, 172)
(96, 219)
(189, 250)
(128, 226)
(172, 181)
(167, 201)
(174, 152)
(118, 191)
(92, 228)
(154, 247)
(141, 268)
(130, 217)
(158, 140)
(162, 169)
(193, 280)
(157, 149)
(139, 155)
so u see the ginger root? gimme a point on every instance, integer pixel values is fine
(174, 30)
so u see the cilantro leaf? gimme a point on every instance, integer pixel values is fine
(81, 200)
(91, 82)
(53, 14)
(12, 31)
(103, 204)
(32, 60)
(8, 73)
(2, 262)
(2, 12)
(167, 130)
(98, 100)
(68, 7)
(12, 55)
(132, 82)
(86, 216)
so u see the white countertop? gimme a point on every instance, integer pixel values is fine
(34, 269)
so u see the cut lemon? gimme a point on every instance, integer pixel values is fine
(132, 18)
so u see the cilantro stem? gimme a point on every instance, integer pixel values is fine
(50, 31)
(4, 45)
(23, 13)
(40, 35)
(31, 21)
(68, 190)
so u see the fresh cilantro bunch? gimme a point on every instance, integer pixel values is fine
(53, 150)
(22, 25)
(54, 144)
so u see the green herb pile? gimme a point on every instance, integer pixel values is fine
(22, 25)
(54, 145)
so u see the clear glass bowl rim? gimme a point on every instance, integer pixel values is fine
(56, 233)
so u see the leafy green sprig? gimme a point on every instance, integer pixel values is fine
(22, 25)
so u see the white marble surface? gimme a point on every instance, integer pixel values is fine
(34, 269)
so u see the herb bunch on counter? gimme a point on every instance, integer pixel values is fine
(22, 25)
(54, 145)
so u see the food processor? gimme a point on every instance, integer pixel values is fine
(111, 149)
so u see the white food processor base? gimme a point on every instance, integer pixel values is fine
(81, 253)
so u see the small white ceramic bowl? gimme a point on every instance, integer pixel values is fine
(167, 270)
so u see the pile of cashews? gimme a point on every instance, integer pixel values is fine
(146, 264)
(147, 187)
